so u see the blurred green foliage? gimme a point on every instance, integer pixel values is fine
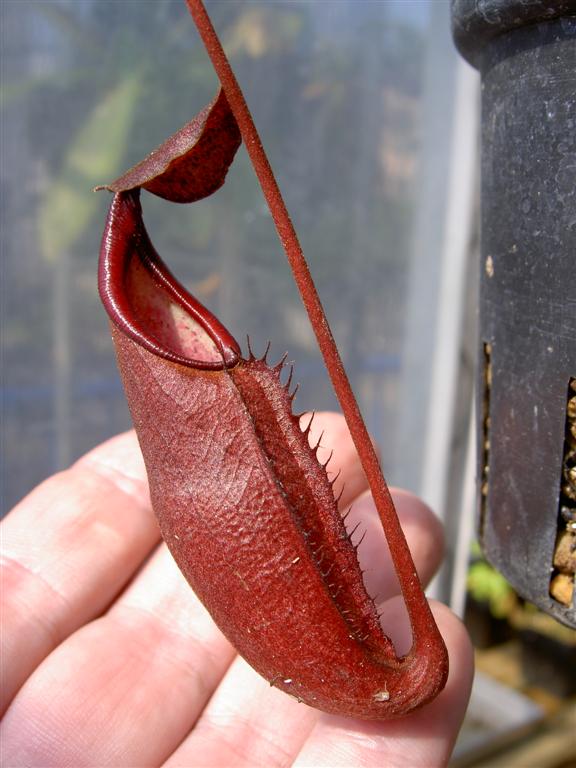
(94, 153)
(485, 585)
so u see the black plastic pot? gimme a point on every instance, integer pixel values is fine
(526, 53)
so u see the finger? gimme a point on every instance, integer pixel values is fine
(424, 536)
(246, 723)
(249, 723)
(67, 550)
(125, 689)
(423, 738)
(335, 440)
(422, 528)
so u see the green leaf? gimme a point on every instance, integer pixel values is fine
(96, 153)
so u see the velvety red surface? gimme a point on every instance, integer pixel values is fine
(249, 516)
(192, 163)
(243, 503)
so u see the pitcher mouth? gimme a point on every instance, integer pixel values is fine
(146, 302)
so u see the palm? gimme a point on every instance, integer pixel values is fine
(109, 658)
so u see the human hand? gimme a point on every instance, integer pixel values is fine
(109, 659)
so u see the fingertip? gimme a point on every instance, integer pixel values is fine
(120, 450)
(443, 717)
(459, 645)
(424, 535)
(119, 459)
(338, 449)
(414, 512)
